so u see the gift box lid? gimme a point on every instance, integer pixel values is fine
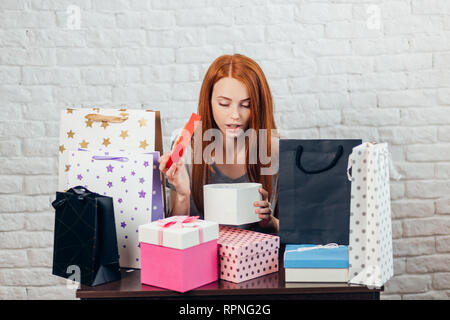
(330, 257)
(237, 243)
(178, 232)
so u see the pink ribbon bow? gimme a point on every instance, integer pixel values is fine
(178, 222)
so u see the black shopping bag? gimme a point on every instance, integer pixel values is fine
(314, 191)
(85, 242)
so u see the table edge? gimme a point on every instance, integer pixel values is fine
(164, 293)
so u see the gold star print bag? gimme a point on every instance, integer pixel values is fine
(94, 129)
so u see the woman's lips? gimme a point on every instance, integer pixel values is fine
(233, 127)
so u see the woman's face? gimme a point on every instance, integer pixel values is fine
(231, 106)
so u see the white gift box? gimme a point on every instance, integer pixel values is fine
(110, 129)
(128, 179)
(370, 247)
(231, 203)
(181, 235)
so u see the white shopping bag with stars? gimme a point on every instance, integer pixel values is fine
(370, 245)
(128, 179)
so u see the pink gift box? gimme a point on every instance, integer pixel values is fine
(245, 254)
(179, 257)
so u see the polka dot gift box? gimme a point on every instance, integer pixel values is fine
(370, 247)
(245, 254)
(134, 183)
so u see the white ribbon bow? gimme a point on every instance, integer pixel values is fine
(327, 246)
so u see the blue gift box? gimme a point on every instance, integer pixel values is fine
(334, 258)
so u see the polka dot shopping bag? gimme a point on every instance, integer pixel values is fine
(370, 247)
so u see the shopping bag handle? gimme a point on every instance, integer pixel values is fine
(79, 191)
(104, 118)
(339, 153)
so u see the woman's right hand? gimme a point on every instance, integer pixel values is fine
(177, 174)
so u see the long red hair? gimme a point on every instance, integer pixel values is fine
(251, 75)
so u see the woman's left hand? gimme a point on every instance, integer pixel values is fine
(264, 208)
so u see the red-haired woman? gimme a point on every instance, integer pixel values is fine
(234, 99)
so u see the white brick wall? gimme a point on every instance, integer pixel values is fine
(333, 75)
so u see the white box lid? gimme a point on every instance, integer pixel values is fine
(178, 235)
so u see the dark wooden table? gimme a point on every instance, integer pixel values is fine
(269, 287)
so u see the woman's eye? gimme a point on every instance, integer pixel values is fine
(223, 105)
(245, 105)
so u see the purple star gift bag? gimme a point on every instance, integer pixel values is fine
(133, 181)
